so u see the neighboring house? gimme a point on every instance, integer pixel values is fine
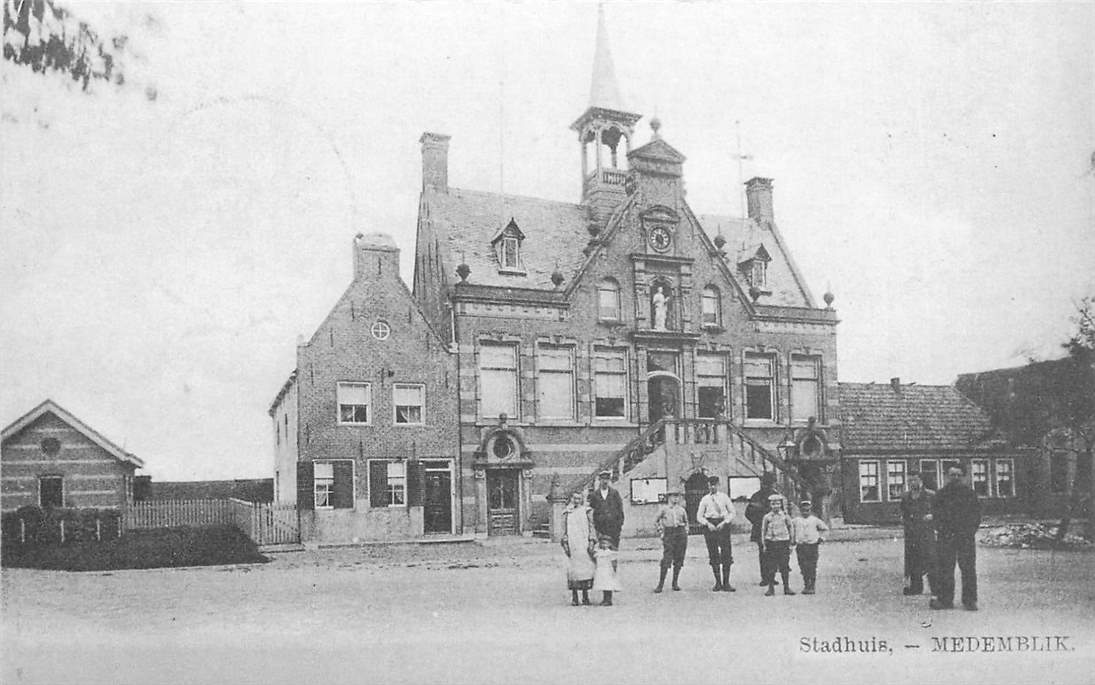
(365, 428)
(581, 326)
(1028, 405)
(889, 430)
(52, 459)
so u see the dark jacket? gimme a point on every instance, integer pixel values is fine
(756, 509)
(919, 532)
(956, 511)
(608, 513)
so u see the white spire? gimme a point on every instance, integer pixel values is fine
(604, 92)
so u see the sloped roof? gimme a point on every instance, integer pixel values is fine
(468, 220)
(929, 417)
(51, 407)
(745, 234)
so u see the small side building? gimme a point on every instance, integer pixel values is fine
(892, 429)
(50, 458)
(365, 428)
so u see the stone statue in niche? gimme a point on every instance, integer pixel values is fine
(659, 308)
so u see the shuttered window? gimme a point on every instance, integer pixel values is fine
(387, 483)
(497, 380)
(555, 383)
(325, 484)
(610, 383)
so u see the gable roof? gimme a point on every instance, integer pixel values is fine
(909, 417)
(744, 239)
(51, 407)
(467, 221)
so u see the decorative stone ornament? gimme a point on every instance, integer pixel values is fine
(463, 271)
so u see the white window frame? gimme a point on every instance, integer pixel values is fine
(569, 350)
(515, 370)
(511, 246)
(421, 387)
(388, 482)
(988, 476)
(773, 400)
(815, 360)
(904, 476)
(1011, 473)
(704, 380)
(713, 296)
(758, 276)
(327, 481)
(368, 403)
(877, 479)
(604, 352)
(608, 286)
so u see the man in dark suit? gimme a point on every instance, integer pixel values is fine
(608, 509)
(956, 512)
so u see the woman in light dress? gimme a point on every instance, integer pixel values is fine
(578, 542)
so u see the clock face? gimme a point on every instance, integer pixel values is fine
(660, 238)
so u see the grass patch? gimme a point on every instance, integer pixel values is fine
(162, 548)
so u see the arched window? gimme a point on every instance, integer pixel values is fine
(608, 300)
(710, 306)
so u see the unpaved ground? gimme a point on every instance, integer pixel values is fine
(499, 613)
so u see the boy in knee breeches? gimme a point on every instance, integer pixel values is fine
(808, 529)
(672, 520)
(777, 536)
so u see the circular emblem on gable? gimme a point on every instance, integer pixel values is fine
(381, 330)
(660, 238)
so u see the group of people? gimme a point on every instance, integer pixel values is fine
(940, 529)
(591, 537)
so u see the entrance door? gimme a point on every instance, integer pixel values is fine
(502, 509)
(694, 490)
(437, 499)
(662, 396)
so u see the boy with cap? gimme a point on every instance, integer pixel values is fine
(715, 513)
(776, 536)
(672, 520)
(808, 529)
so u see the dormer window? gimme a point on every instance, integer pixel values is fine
(758, 273)
(507, 249)
(753, 263)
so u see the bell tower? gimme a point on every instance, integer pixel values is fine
(605, 132)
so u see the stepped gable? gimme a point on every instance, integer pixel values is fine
(892, 416)
(555, 235)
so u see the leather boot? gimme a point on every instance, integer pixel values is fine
(786, 586)
(718, 578)
(661, 579)
(676, 575)
(726, 586)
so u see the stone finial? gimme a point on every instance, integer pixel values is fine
(557, 277)
(828, 297)
(754, 292)
(655, 126)
(720, 242)
(463, 271)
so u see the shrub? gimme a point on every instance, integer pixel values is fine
(43, 526)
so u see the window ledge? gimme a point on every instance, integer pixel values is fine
(354, 425)
(512, 272)
(712, 327)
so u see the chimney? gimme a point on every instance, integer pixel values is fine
(895, 383)
(375, 256)
(758, 195)
(435, 162)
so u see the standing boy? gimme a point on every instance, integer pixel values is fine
(715, 513)
(672, 520)
(755, 511)
(776, 535)
(807, 535)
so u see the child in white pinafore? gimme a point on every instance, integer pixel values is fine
(605, 576)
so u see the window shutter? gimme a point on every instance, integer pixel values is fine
(343, 492)
(378, 483)
(415, 484)
(305, 484)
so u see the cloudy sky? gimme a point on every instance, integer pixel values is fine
(932, 167)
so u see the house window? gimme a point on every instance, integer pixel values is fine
(353, 403)
(511, 258)
(759, 386)
(497, 380)
(758, 273)
(1058, 471)
(710, 385)
(409, 401)
(323, 484)
(979, 477)
(51, 491)
(805, 387)
(929, 473)
(868, 481)
(556, 382)
(608, 300)
(1005, 478)
(710, 306)
(610, 383)
(895, 480)
(387, 483)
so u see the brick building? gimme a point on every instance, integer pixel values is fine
(52, 459)
(365, 428)
(622, 330)
(889, 430)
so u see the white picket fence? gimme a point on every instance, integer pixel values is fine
(266, 524)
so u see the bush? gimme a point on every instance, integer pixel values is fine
(160, 548)
(43, 526)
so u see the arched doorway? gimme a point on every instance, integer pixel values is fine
(663, 395)
(694, 490)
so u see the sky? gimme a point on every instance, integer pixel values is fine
(932, 166)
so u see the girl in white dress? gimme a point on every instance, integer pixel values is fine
(605, 578)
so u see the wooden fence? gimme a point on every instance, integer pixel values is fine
(266, 524)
